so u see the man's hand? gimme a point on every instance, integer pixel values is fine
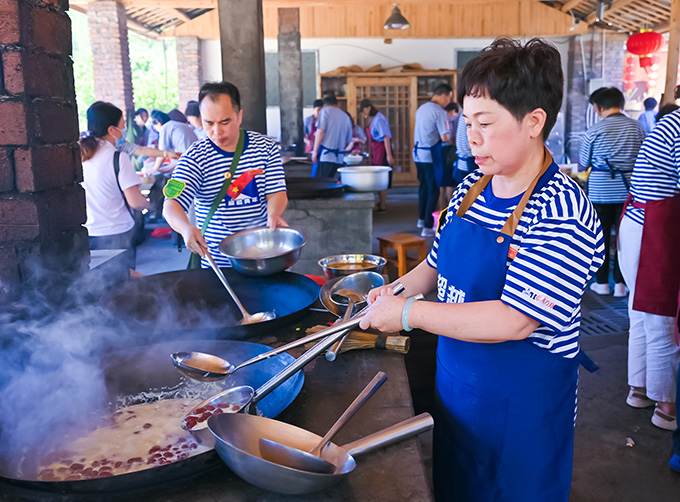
(274, 222)
(195, 241)
(172, 155)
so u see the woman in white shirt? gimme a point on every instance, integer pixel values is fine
(110, 199)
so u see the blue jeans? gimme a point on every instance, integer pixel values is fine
(428, 193)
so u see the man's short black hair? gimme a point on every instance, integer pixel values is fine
(160, 117)
(452, 107)
(318, 103)
(443, 89)
(650, 103)
(213, 89)
(140, 111)
(520, 78)
(330, 100)
(608, 97)
(192, 110)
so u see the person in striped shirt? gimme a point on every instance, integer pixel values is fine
(509, 265)
(201, 172)
(610, 147)
(649, 252)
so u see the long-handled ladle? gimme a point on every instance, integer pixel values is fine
(247, 318)
(311, 461)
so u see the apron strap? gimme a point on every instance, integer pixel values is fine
(512, 222)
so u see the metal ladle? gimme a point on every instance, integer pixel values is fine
(311, 461)
(354, 298)
(247, 318)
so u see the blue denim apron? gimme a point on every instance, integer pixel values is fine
(437, 159)
(504, 412)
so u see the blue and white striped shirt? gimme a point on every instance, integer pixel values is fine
(560, 246)
(203, 167)
(657, 169)
(616, 139)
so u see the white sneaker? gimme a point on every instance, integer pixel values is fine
(638, 399)
(600, 289)
(620, 290)
(664, 421)
(420, 224)
(427, 232)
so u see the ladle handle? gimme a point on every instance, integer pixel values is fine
(332, 334)
(226, 284)
(379, 379)
(398, 432)
(332, 353)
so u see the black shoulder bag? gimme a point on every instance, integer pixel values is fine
(139, 234)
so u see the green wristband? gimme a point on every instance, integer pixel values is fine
(404, 313)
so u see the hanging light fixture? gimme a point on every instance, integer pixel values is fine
(396, 21)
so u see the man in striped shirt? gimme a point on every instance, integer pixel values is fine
(610, 147)
(202, 170)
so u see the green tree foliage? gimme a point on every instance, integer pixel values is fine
(153, 64)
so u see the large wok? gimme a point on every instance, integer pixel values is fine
(131, 374)
(194, 304)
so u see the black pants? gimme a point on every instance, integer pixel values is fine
(118, 241)
(327, 169)
(609, 214)
(428, 193)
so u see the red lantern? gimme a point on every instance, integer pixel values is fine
(643, 44)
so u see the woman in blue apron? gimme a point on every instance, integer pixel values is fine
(510, 262)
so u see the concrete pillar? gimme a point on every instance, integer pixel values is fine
(189, 73)
(42, 205)
(290, 80)
(111, 53)
(242, 41)
(597, 69)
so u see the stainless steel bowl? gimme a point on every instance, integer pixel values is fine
(346, 264)
(365, 178)
(261, 251)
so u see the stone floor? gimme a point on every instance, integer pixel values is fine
(606, 468)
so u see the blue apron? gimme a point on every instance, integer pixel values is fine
(315, 166)
(437, 160)
(504, 412)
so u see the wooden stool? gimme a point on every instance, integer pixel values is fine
(402, 243)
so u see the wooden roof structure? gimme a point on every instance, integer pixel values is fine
(155, 17)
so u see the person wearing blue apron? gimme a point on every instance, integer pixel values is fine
(429, 133)
(333, 134)
(510, 262)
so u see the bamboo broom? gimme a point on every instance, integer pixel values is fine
(363, 340)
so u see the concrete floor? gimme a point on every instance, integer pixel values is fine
(605, 467)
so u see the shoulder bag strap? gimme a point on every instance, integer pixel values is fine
(116, 170)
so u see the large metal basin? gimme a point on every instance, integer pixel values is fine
(262, 251)
(365, 178)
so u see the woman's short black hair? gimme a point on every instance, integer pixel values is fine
(192, 109)
(213, 89)
(160, 117)
(608, 97)
(100, 116)
(520, 78)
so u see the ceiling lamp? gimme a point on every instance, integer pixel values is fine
(396, 21)
(643, 44)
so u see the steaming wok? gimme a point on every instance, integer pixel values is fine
(193, 303)
(135, 371)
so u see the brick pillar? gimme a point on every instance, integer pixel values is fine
(42, 205)
(189, 72)
(110, 53)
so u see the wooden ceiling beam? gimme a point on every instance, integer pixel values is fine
(615, 7)
(570, 5)
(212, 4)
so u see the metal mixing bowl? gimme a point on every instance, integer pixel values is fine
(346, 264)
(261, 251)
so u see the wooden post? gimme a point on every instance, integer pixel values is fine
(673, 52)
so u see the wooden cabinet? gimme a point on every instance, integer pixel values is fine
(397, 96)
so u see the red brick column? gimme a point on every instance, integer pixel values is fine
(189, 72)
(42, 205)
(110, 53)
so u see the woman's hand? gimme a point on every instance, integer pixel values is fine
(385, 311)
(379, 291)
